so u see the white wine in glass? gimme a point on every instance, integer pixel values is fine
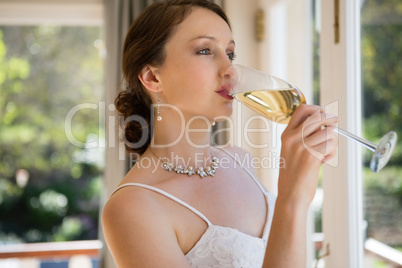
(276, 105)
(277, 100)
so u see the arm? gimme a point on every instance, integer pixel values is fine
(139, 232)
(305, 146)
(287, 239)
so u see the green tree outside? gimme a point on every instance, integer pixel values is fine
(381, 48)
(49, 188)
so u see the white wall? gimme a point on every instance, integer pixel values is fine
(285, 52)
(242, 15)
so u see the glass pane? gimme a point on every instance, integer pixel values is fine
(317, 203)
(381, 46)
(49, 183)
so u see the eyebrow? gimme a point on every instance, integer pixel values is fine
(210, 38)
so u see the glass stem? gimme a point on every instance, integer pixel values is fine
(368, 144)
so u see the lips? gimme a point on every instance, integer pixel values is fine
(224, 91)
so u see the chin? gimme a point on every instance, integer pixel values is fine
(225, 111)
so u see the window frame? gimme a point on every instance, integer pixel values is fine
(57, 12)
(343, 225)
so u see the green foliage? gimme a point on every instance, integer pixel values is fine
(383, 204)
(390, 183)
(44, 72)
(381, 48)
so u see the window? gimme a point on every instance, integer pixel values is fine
(381, 24)
(46, 73)
(363, 50)
(52, 87)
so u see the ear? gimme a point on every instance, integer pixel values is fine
(148, 78)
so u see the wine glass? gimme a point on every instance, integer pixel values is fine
(277, 99)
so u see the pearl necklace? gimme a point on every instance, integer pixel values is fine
(202, 172)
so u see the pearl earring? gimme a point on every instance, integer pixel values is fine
(158, 106)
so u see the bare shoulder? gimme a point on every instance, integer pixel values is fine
(130, 204)
(139, 232)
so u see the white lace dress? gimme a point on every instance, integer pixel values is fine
(224, 247)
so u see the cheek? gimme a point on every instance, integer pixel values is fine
(186, 83)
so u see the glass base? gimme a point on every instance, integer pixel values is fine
(383, 152)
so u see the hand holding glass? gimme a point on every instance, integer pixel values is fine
(276, 100)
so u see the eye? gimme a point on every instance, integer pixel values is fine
(231, 56)
(205, 51)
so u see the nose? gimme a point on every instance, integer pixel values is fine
(230, 77)
(230, 71)
(224, 63)
(226, 70)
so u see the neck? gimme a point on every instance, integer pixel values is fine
(182, 142)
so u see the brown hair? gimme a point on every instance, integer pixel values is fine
(145, 45)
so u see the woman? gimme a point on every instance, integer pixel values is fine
(175, 55)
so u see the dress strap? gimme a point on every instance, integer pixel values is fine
(202, 216)
(256, 180)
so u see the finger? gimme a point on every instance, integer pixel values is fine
(320, 136)
(322, 144)
(313, 124)
(328, 158)
(326, 148)
(301, 114)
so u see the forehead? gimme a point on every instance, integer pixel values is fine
(201, 22)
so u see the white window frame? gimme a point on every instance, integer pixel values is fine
(56, 12)
(341, 89)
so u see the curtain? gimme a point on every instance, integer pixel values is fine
(118, 15)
